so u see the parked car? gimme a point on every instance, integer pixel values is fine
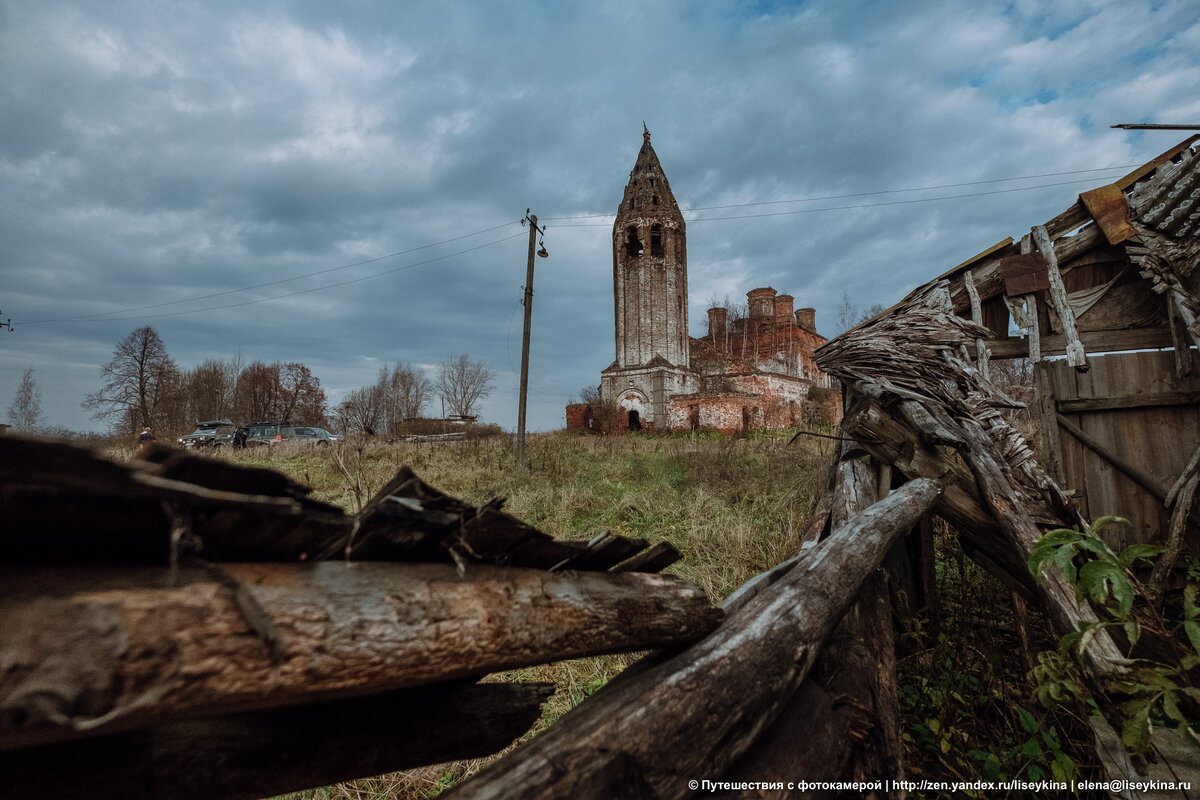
(314, 435)
(267, 433)
(214, 433)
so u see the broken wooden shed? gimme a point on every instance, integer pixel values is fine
(1102, 301)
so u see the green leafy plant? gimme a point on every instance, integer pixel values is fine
(964, 713)
(1156, 685)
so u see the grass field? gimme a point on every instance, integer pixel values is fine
(733, 507)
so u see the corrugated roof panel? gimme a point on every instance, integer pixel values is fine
(1170, 202)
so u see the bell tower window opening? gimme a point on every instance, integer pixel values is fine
(656, 240)
(654, 200)
(633, 247)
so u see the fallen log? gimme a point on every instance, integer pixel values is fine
(88, 650)
(261, 753)
(692, 716)
(848, 706)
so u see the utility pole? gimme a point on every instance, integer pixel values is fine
(534, 230)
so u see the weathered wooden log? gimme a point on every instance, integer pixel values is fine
(892, 442)
(1012, 511)
(261, 753)
(809, 744)
(848, 703)
(861, 655)
(692, 716)
(86, 650)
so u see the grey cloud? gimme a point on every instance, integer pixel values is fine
(157, 153)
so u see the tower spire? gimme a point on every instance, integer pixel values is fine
(645, 132)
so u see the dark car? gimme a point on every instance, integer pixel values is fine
(261, 433)
(315, 435)
(268, 433)
(214, 433)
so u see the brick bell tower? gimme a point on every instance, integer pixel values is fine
(649, 296)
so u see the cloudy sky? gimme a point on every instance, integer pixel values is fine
(342, 183)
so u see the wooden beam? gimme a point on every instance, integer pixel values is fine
(696, 713)
(88, 650)
(1043, 383)
(1094, 341)
(265, 753)
(1076, 355)
(981, 351)
(1139, 476)
(859, 737)
(1115, 402)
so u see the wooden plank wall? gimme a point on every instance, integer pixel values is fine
(1123, 414)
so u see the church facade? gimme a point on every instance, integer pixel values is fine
(752, 372)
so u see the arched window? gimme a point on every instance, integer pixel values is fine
(656, 240)
(654, 200)
(633, 247)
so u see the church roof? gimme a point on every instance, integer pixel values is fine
(648, 192)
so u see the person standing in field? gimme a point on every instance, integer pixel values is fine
(146, 441)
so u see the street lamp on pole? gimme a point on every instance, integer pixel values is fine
(527, 301)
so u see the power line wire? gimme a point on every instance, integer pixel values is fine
(210, 296)
(859, 205)
(875, 193)
(306, 291)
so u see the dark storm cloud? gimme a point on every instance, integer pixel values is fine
(167, 157)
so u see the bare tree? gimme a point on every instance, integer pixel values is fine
(462, 383)
(257, 395)
(283, 393)
(606, 413)
(302, 400)
(142, 384)
(210, 389)
(849, 316)
(847, 313)
(362, 410)
(25, 413)
(407, 390)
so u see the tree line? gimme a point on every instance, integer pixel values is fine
(144, 386)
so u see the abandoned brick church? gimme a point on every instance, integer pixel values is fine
(747, 373)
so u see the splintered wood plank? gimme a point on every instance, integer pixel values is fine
(653, 559)
(65, 504)
(266, 753)
(92, 649)
(1110, 209)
